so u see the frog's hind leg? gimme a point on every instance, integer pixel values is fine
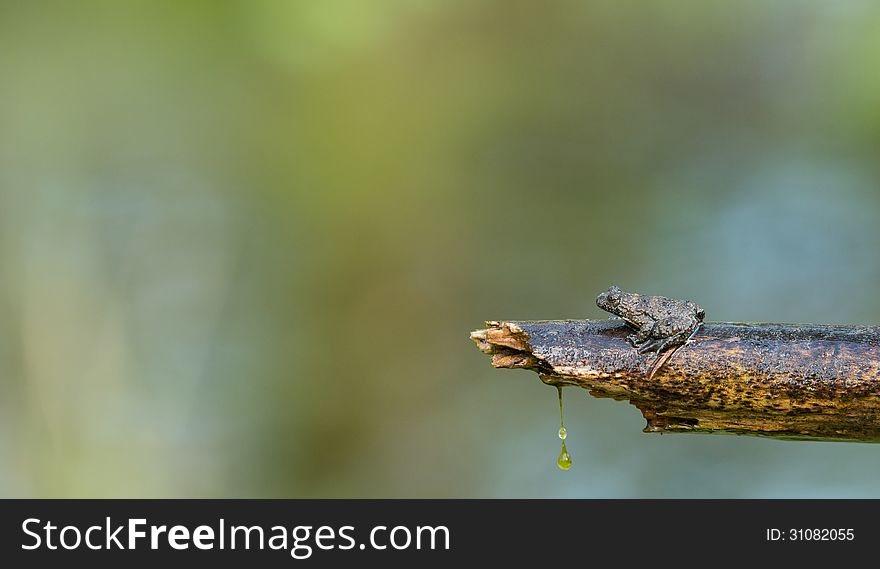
(679, 339)
(651, 345)
(673, 341)
(635, 340)
(642, 336)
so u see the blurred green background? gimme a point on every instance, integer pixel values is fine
(242, 244)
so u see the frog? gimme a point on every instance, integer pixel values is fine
(660, 322)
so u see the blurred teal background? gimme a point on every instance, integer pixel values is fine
(242, 244)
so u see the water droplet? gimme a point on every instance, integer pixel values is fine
(564, 460)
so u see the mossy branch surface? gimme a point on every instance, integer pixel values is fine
(779, 380)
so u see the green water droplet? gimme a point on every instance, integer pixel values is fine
(564, 460)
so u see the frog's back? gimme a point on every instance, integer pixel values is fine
(659, 306)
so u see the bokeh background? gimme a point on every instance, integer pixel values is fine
(242, 244)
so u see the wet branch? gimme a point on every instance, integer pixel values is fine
(787, 381)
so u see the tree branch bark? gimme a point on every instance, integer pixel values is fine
(785, 381)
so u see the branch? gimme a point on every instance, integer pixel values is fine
(785, 381)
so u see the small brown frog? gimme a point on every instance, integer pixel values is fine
(660, 322)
